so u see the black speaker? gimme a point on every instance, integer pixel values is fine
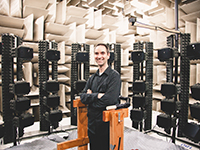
(54, 116)
(20, 88)
(138, 101)
(168, 89)
(192, 131)
(112, 57)
(79, 85)
(26, 120)
(21, 104)
(82, 57)
(52, 101)
(195, 110)
(137, 115)
(137, 56)
(51, 86)
(164, 121)
(139, 86)
(52, 55)
(165, 54)
(168, 106)
(24, 52)
(193, 51)
(195, 89)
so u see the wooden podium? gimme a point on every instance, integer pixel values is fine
(82, 129)
(116, 118)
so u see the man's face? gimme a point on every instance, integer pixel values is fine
(101, 56)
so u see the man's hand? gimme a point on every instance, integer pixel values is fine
(89, 91)
(100, 95)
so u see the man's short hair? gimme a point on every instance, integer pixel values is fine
(105, 45)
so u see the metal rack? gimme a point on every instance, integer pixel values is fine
(142, 90)
(80, 72)
(50, 115)
(191, 129)
(115, 56)
(174, 108)
(184, 81)
(14, 102)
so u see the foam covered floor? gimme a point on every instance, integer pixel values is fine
(132, 140)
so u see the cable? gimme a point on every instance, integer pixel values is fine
(145, 24)
(165, 29)
(149, 130)
(133, 21)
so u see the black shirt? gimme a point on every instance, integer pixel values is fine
(109, 83)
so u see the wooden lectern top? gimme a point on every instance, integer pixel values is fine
(78, 103)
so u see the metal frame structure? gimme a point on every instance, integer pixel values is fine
(7, 78)
(115, 56)
(173, 107)
(80, 72)
(191, 129)
(14, 102)
(184, 81)
(142, 90)
(50, 115)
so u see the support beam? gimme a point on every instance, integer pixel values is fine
(82, 125)
(116, 118)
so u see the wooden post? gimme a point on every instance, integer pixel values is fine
(116, 118)
(82, 127)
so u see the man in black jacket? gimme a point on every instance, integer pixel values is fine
(101, 90)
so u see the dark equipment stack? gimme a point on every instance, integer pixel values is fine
(50, 115)
(142, 90)
(185, 82)
(173, 107)
(192, 130)
(1, 124)
(80, 72)
(14, 102)
(115, 56)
